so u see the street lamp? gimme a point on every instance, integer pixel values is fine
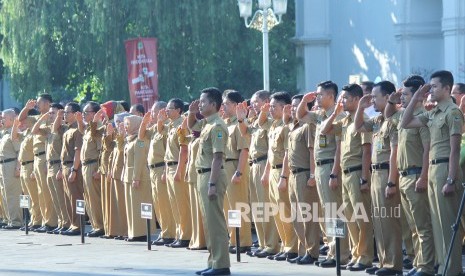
(263, 20)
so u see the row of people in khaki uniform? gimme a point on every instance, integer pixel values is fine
(279, 151)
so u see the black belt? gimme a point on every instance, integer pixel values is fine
(230, 159)
(171, 163)
(324, 162)
(39, 154)
(279, 166)
(53, 162)
(7, 160)
(256, 160)
(204, 170)
(88, 162)
(416, 170)
(157, 165)
(352, 169)
(439, 161)
(67, 162)
(298, 170)
(381, 166)
(26, 162)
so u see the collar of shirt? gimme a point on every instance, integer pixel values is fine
(328, 112)
(277, 123)
(176, 122)
(231, 120)
(442, 106)
(212, 117)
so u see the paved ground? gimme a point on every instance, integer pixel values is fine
(53, 255)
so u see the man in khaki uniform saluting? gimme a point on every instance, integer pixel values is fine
(445, 123)
(268, 238)
(327, 160)
(384, 192)
(49, 214)
(212, 178)
(237, 169)
(355, 172)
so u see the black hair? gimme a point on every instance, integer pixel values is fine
(31, 112)
(74, 106)
(461, 87)
(297, 97)
(353, 90)
(94, 106)
(386, 87)
(16, 110)
(234, 96)
(46, 97)
(57, 106)
(368, 84)
(263, 95)
(282, 97)
(125, 105)
(139, 108)
(414, 82)
(214, 96)
(445, 78)
(329, 85)
(178, 104)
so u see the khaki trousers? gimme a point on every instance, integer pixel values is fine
(31, 189)
(134, 197)
(237, 196)
(283, 218)
(418, 216)
(111, 213)
(58, 195)
(93, 194)
(306, 227)
(12, 191)
(49, 215)
(119, 223)
(260, 200)
(74, 191)
(386, 222)
(214, 220)
(358, 212)
(178, 192)
(198, 233)
(161, 203)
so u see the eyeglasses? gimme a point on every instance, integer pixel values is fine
(88, 112)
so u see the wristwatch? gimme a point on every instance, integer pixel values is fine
(391, 184)
(283, 176)
(312, 176)
(450, 181)
(363, 181)
(240, 121)
(210, 184)
(73, 169)
(332, 176)
(237, 174)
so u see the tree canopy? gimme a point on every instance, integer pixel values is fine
(70, 47)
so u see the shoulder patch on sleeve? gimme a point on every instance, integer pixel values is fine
(140, 143)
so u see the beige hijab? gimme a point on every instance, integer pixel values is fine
(134, 124)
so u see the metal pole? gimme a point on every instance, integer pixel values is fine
(83, 230)
(238, 245)
(25, 213)
(149, 238)
(338, 257)
(266, 65)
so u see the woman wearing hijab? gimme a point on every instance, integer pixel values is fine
(136, 178)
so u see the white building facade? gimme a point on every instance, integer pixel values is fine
(357, 40)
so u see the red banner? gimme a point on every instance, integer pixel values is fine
(141, 58)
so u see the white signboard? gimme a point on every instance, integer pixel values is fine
(80, 207)
(335, 228)
(234, 218)
(24, 201)
(146, 210)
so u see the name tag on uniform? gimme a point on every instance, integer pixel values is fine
(323, 141)
(146, 210)
(379, 145)
(24, 201)
(80, 207)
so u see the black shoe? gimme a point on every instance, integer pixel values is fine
(293, 261)
(75, 232)
(107, 237)
(23, 228)
(421, 273)
(372, 270)
(388, 272)
(242, 249)
(34, 227)
(163, 241)
(201, 271)
(136, 239)
(358, 267)
(218, 271)
(277, 255)
(56, 232)
(290, 256)
(407, 263)
(40, 229)
(170, 244)
(198, 248)
(348, 265)
(120, 238)
(94, 234)
(11, 227)
(411, 272)
(328, 263)
(252, 253)
(3, 224)
(324, 250)
(263, 254)
(53, 230)
(180, 244)
(306, 259)
(255, 244)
